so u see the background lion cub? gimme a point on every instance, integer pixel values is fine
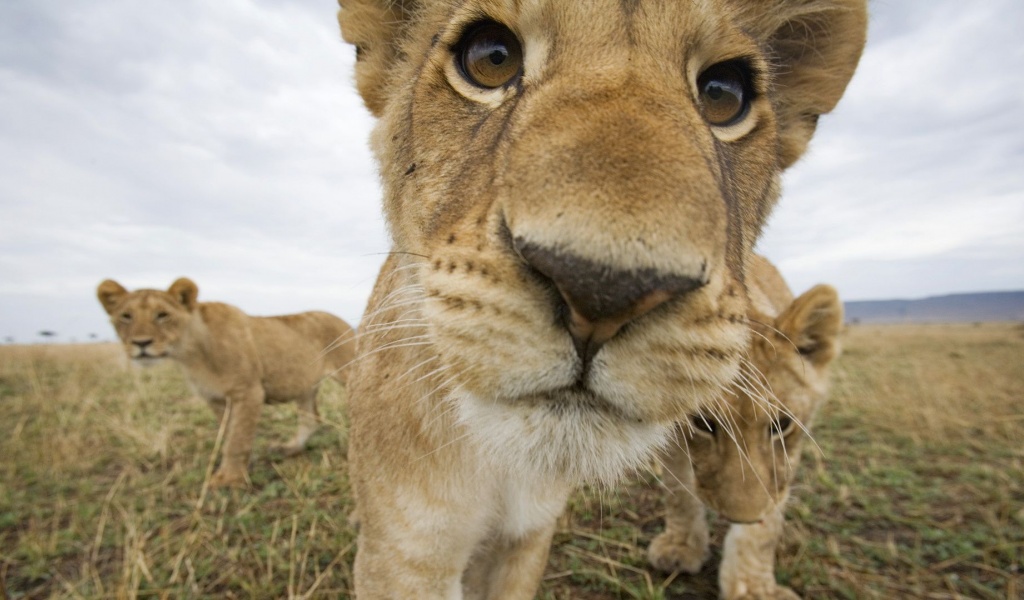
(233, 360)
(739, 457)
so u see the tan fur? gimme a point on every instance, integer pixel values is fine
(481, 396)
(232, 360)
(743, 470)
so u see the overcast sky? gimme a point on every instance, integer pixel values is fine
(223, 140)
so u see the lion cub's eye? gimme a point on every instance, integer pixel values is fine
(704, 424)
(126, 317)
(490, 55)
(162, 316)
(724, 93)
(781, 426)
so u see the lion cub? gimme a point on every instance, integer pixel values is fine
(232, 360)
(572, 191)
(739, 458)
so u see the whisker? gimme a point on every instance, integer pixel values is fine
(416, 367)
(468, 433)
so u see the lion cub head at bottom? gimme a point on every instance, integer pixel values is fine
(149, 322)
(739, 457)
(745, 450)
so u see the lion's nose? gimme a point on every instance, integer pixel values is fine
(600, 298)
(142, 342)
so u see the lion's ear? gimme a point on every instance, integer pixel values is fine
(813, 323)
(184, 290)
(110, 293)
(376, 28)
(814, 47)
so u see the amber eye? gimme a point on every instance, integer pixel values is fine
(490, 55)
(162, 316)
(126, 317)
(781, 426)
(702, 423)
(724, 97)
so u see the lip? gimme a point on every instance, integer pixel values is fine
(148, 357)
(757, 522)
(576, 397)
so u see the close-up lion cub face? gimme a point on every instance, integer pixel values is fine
(148, 322)
(573, 189)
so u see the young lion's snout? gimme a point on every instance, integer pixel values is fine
(598, 299)
(617, 229)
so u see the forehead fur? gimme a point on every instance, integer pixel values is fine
(147, 300)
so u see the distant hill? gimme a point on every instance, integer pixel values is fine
(985, 306)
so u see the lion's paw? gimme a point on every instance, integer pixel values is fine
(672, 552)
(228, 479)
(288, 450)
(760, 591)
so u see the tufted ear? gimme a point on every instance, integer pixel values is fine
(376, 28)
(814, 46)
(110, 293)
(184, 290)
(813, 323)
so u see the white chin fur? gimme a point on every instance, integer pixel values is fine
(569, 440)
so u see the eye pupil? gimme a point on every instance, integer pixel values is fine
(780, 426)
(490, 55)
(702, 423)
(724, 97)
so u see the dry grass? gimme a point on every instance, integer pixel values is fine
(102, 489)
(919, 492)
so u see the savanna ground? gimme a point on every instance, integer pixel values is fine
(917, 490)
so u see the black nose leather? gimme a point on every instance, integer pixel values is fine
(600, 298)
(142, 343)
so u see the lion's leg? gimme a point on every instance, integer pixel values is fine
(512, 570)
(748, 561)
(243, 415)
(218, 406)
(420, 555)
(309, 422)
(683, 546)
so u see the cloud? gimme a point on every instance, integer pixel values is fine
(920, 163)
(224, 141)
(146, 141)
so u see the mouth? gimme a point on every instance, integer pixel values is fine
(144, 358)
(570, 401)
(579, 397)
(735, 522)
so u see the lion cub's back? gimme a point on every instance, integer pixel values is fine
(315, 343)
(769, 293)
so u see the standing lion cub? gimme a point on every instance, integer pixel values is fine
(232, 360)
(739, 456)
(572, 189)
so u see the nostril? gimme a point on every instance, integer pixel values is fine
(601, 298)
